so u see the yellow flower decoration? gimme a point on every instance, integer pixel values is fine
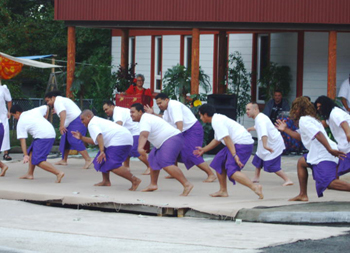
(197, 103)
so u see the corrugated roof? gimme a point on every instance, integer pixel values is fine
(243, 11)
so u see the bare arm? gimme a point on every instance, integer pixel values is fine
(47, 112)
(24, 150)
(282, 126)
(150, 110)
(101, 147)
(264, 141)
(201, 150)
(63, 116)
(180, 125)
(346, 129)
(322, 139)
(251, 129)
(142, 142)
(119, 122)
(79, 136)
(231, 146)
(9, 105)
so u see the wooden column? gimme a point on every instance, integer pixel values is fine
(253, 88)
(222, 68)
(300, 63)
(332, 64)
(124, 62)
(70, 60)
(195, 62)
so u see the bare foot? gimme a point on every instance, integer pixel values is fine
(147, 171)
(187, 189)
(27, 176)
(3, 171)
(135, 183)
(255, 180)
(61, 163)
(150, 188)
(59, 177)
(103, 183)
(219, 194)
(169, 177)
(258, 191)
(300, 198)
(210, 179)
(87, 164)
(288, 183)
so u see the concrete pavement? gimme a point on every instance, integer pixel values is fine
(77, 189)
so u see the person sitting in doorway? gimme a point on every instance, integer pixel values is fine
(276, 105)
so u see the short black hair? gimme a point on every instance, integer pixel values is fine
(207, 109)
(53, 93)
(108, 102)
(278, 90)
(138, 107)
(162, 96)
(327, 106)
(16, 108)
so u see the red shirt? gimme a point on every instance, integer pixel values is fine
(133, 90)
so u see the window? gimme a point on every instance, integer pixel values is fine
(158, 64)
(263, 55)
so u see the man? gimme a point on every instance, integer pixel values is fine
(181, 117)
(167, 142)
(323, 153)
(34, 123)
(275, 106)
(5, 101)
(122, 117)
(68, 112)
(344, 94)
(270, 145)
(231, 159)
(114, 143)
(339, 123)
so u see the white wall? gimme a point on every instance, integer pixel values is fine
(116, 52)
(343, 58)
(283, 51)
(206, 57)
(315, 64)
(143, 58)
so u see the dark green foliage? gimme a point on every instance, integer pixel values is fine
(238, 80)
(275, 77)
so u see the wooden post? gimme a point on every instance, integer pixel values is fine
(300, 63)
(222, 68)
(254, 82)
(195, 62)
(332, 64)
(124, 62)
(70, 61)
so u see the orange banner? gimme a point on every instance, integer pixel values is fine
(9, 68)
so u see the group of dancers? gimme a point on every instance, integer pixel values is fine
(177, 136)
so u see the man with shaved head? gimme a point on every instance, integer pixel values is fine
(114, 143)
(270, 145)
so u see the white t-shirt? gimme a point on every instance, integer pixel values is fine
(5, 96)
(337, 117)
(159, 130)
(176, 112)
(309, 127)
(123, 114)
(224, 126)
(345, 91)
(65, 104)
(264, 127)
(34, 123)
(112, 133)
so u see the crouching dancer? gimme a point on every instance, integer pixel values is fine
(114, 143)
(231, 159)
(167, 141)
(34, 123)
(323, 153)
